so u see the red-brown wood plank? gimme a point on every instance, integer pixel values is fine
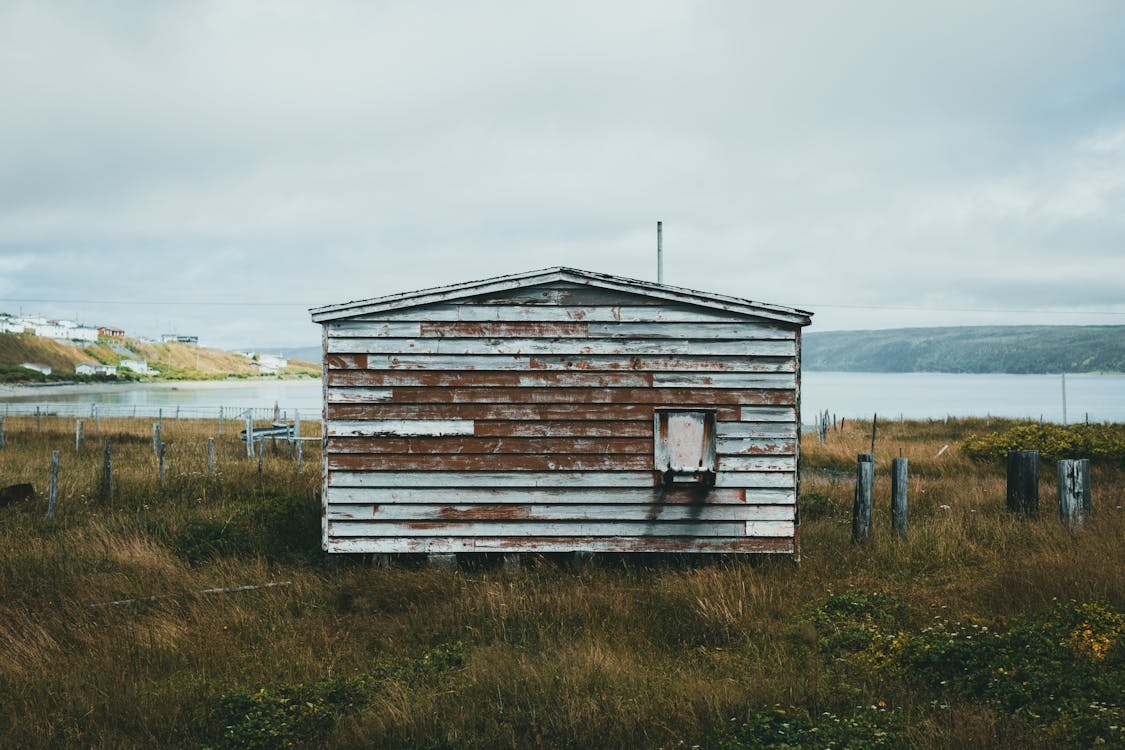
(521, 330)
(661, 396)
(611, 412)
(494, 445)
(586, 428)
(488, 462)
(489, 378)
(687, 544)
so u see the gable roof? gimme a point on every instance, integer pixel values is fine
(328, 313)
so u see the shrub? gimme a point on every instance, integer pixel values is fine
(871, 727)
(1098, 442)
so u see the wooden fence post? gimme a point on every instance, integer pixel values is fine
(220, 421)
(156, 438)
(1023, 482)
(161, 454)
(900, 520)
(1074, 491)
(160, 418)
(1, 432)
(107, 473)
(53, 494)
(77, 435)
(38, 426)
(874, 427)
(211, 457)
(300, 454)
(249, 434)
(261, 452)
(861, 509)
(97, 419)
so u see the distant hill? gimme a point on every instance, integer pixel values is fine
(1007, 349)
(174, 361)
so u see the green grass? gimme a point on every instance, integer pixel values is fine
(896, 643)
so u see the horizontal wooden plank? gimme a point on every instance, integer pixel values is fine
(561, 293)
(757, 430)
(757, 463)
(595, 363)
(695, 331)
(690, 545)
(556, 495)
(531, 346)
(661, 396)
(339, 529)
(359, 395)
(487, 378)
(568, 512)
(724, 380)
(670, 313)
(507, 412)
(486, 461)
(491, 445)
(767, 414)
(532, 479)
(586, 428)
(402, 427)
(756, 446)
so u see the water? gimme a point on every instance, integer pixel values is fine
(926, 394)
(846, 394)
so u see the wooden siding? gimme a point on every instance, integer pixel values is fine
(522, 420)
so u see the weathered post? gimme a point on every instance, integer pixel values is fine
(249, 434)
(97, 419)
(874, 427)
(161, 454)
(899, 515)
(160, 418)
(1023, 482)
(156, 438)
(53, 494)
(297, 423)
(107, 473)
(861, 509)
(261, 452)
(177, 411)
(1, 432)
(1074, 491)
(77, 435)
(211, 457)
(38, 426)
(220, 421)
(300, 454)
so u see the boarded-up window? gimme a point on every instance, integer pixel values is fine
(685, 441)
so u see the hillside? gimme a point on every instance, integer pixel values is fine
(174, 361)
(999, 349)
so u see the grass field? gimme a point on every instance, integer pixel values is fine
(976, 630)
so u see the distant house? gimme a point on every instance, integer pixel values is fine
(166, 338)
(93, 368)
(271, 363)
(45, 369)
(138, 366)
(110, 332)
(64, 330)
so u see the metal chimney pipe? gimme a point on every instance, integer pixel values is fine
(660, 252)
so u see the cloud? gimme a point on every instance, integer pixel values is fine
(816, 154)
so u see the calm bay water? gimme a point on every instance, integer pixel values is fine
(847, 394)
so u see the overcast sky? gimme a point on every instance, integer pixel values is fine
(881, 164)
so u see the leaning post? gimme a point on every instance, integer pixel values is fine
(1074, 491)
(861, 509)
(53, 495)
(107, 473)
(899, 515)
(1023, 482)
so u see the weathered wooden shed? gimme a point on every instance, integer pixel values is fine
(561, 410)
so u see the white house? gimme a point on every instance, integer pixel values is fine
(45, 369)
(138, 366)
(92, 368)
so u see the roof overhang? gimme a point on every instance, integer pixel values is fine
(327, 313)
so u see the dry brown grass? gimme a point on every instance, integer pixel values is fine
(620, 655)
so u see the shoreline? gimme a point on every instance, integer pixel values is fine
(16, 390)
